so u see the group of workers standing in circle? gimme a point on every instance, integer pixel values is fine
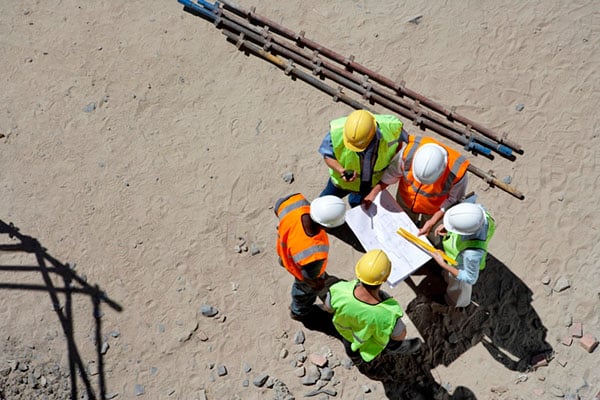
(366, 153)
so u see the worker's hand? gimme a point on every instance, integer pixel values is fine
(441, 230)
(316, 284)
(348, 175)
(368, 200)
(438, 256)
(426, 227)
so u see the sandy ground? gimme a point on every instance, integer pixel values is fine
(146, 195)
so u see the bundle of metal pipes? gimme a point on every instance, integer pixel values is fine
(312, 63)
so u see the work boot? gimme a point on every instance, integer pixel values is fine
(407, 346)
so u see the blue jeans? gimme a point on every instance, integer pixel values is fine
(303, 298)
(354, 199)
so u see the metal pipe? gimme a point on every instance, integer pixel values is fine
(351, 65)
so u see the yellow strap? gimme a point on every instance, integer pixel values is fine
(422, 244)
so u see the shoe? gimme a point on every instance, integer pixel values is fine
(407, 346)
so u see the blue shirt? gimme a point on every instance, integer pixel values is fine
(468, 260)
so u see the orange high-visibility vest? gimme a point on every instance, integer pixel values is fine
(427, 199)
(295, 248)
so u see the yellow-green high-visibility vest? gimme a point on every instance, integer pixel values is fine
(453, 243)
(390, 128)
(367, 327)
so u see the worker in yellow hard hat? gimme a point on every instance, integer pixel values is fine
(369, 319)
(357, 149)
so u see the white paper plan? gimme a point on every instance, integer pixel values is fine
(376, 228)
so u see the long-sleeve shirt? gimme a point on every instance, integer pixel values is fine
(393, 173)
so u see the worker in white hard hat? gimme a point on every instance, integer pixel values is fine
(369, 319)
(431, 178)
(357, 149)
(467, 230)
(303, 245)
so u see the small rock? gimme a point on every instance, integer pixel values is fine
(347, 363)
(208, 311)
(561, 197)
(237, 248)
(567, 340)
(115, 334)
(326, 374)
(161, 328)
(283, 353)
(246, 367)
(499, 389)
(561, 284)
(318, 360)
(538, 391)
(507, 179)
(104, 348)
(571, 396)
(365, 389)
(416, 19)
(309, 380)
(90, 107)
(139, 389)
(288, 177)
(202, 336)
(557, 392)
(299, 337)
(260, 380)
(519, 106)
(300, 372)
(153, 370)
(221, 370)
(588, 342)
(254, 249)
(546, 280)
(568, 320)
(246, 383)
(576, 330)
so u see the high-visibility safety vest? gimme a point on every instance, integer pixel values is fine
(390, 128)
(367, 327)
(427, 199)
(454, 243)
(295, 248)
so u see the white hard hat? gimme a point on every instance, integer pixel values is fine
(329, 211)
(429, 162)
(464, 218)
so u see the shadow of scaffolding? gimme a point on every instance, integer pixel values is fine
(71, 284)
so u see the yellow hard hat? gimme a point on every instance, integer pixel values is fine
(373, 268)
(359, 130)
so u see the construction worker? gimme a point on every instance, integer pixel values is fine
(431, 178)
(467, 230)
(303, 245)
(357, 149)
(368, 319)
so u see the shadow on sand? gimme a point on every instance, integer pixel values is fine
(501, 318)
(61, 296)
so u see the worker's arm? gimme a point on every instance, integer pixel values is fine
(399, 332)
(339, 168)
(427, 226)
(390, 176)
(437, 256)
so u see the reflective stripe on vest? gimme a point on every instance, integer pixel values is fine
(294, 247)
(454, 244)
(427, 199)
(390, 129)
(367, 327)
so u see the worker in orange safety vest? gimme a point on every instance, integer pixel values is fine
(303, 245)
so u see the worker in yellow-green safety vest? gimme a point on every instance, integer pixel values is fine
(368, 319)
(357, 149)
(467, 230)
